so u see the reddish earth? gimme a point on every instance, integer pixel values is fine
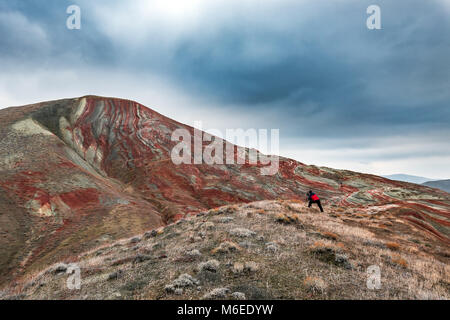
(77, 172)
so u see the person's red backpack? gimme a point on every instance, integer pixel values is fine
(314, 197)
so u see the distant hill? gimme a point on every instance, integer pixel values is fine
(77, 174)
(408, 178)
(439, 184)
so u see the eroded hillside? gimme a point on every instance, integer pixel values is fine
(76, 173)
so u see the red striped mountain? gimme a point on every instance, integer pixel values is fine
(77, 172)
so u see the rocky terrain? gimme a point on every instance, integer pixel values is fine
(78, 174)
(261, 250)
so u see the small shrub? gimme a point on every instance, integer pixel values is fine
(238, 267)
(330, 235)
(238, 295)
(251, 266)
(218, 293)
(399, 261)
(242, 232)
(393, 246)
(287, 219)
(315, 285)
(226, 247)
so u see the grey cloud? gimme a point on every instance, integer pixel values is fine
(312, 67)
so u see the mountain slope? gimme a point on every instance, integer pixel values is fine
(79, 172)
(439, 184)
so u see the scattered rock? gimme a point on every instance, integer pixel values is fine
(238, 295)
(242, 232)
(178, 291)
(135, 240)
(193, 253)
(218, 293)
(153, 233)
(59, 268)
(226, 219)
(272, 247)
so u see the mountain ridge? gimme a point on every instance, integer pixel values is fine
(408, 178)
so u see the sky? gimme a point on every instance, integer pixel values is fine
(342, 96)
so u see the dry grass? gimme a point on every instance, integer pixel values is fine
(393, 246)
(287, 218)
(297, 268)
(398, 260)
(315, 285)
(330, 235)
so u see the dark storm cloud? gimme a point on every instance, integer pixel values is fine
(34, 34)
(330, 69)
(313, 65)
